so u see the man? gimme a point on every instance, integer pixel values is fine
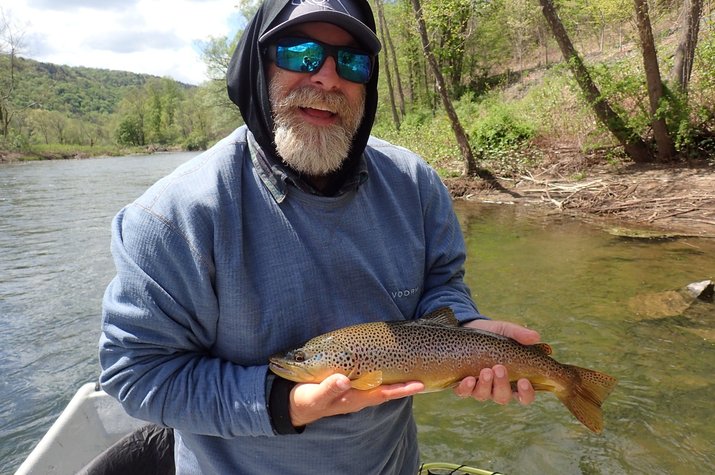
(296, 224)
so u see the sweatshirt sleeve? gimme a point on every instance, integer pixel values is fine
(445, 255)
(158, 323)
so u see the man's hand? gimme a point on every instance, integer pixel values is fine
(310, 402)
(493, 383)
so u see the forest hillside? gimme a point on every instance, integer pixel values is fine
(517, 93)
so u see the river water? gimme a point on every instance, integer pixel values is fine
(590, 294)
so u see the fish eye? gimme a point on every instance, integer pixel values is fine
(299, 356)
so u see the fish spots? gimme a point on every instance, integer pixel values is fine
(439, 355)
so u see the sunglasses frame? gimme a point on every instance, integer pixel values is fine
(271, 51)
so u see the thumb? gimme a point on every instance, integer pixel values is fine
(335, 385)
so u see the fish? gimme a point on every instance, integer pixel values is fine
(439, 352)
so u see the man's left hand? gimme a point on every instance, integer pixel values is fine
(493, 383)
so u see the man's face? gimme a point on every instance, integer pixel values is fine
(316, 114)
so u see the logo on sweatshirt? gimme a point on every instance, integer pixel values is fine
(404, 293)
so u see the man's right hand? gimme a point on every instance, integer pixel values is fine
(310, 402)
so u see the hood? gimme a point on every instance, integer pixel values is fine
(248, 88)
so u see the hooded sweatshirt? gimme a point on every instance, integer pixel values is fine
(224, 263)
(248, 89)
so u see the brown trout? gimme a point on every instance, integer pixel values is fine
(438, 352)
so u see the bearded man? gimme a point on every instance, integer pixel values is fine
(296, 224)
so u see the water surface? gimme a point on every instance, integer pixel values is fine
(54, 265)
(579, 286)
(584, 290)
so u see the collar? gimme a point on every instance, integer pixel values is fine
(277, 177)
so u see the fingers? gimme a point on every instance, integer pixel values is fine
(525, 392)
(334, 395)
(523, 335)
(501, 387)
(493, 384)
(398, 391)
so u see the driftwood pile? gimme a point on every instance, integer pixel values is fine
(647, 200)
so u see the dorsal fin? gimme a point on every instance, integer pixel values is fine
(441, 316)
(544, 348)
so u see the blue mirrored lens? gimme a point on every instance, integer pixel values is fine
(353, 66)
(309, 56)
(304, 57)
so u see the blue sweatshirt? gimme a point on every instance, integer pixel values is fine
(223, 263)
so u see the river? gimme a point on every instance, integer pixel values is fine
(585, 290)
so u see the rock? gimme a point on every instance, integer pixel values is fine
(671, 303)
(703, 290)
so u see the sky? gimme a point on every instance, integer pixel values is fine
(158, 37)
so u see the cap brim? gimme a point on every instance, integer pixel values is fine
(362, 34)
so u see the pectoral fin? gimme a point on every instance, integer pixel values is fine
(367, 381)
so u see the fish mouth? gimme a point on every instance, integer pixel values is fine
(283, 368)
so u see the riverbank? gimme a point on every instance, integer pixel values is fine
(11, 157)
(74, 153)
(646, 200)
(656, 200)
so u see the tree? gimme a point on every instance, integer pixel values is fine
(685, 53)
(520, 23)
(132, 112)
(393, 55)
(163, 97)
(449, 21)
(471, 167)
(388, 74)
(631, 142)
(10, 45)
(216, 54)
(663, 140)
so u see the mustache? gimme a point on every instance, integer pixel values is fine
(310, 97)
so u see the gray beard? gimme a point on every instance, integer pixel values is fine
(309, 149)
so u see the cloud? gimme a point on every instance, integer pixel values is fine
(133, 41)
(74, 4)
(157, 37)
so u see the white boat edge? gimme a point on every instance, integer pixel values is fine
(92, 422)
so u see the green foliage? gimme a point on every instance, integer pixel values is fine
(623, 84)
(426, 134)
(705, 57)
(14, 141)
(554, 107)
(130, 131)
(500, 134)
(498, 57)
(196, 141)
(75, 91)
(499, 128)
(704, 102)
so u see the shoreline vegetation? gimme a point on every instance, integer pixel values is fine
(72, 152)
(508, 105)
(651, 202)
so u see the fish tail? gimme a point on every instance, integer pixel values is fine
(585, 394)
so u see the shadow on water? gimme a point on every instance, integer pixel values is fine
(586, 293)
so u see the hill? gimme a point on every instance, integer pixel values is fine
(76, 91)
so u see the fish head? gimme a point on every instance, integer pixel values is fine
(315, 361)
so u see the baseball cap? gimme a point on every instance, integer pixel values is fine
(343, 13)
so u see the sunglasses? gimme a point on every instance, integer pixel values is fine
(302, 55)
